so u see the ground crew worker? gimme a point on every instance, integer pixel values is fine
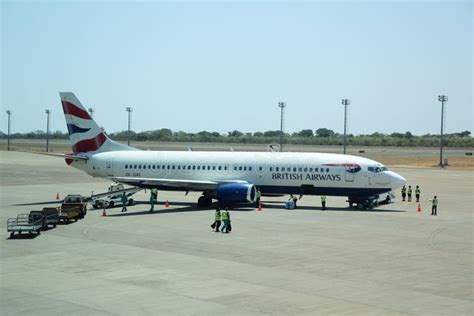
(226, 219)
(404, 193)
(294, 198)
(323, 201)
(434, 206)
(154, 191)
(259, 194)
(417, 193)
(152, 201)
(124, 202)
(410, 190)
(217, 220)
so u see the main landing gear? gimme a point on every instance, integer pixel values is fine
(204, 201)
(363, 203)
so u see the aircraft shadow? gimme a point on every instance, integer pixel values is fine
(335, 209)
(187, 208)
(23, 236)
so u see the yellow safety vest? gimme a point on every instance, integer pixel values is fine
(404, 190)
(218, 216)
(417, 191)
(435, 202)
(409, 190)
(323, 198)
(225, 216)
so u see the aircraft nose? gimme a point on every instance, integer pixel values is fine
(397, 181)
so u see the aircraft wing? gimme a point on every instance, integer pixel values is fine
(188, 185)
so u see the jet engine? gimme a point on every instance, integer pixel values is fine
(236, 193)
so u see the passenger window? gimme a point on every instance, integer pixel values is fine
(305, 169)
(300, 169)
(315, 169)
(126, 166)
(189, 167)
(250, 168)
(294, 169)
(240, 168)
(310, 169)
(277, 169)
(135, 166)
(225, 167)
(194, 167)
(220, 167)
(235, 168)
(213, 167)
(245, 168)
(199, 167)
(168, 167)
(153, 167)
(327, 169)
(271, 168)
(179, 167)
(260, 168)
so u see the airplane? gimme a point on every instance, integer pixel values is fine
(228, 177)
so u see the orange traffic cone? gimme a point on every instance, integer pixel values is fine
(104, 214)
(167, 204)
(57, 196)
(419, 208)
(260, 207)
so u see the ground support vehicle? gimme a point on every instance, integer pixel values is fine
(48, 216)
(73, 207)
(24, 223)
(114, 196)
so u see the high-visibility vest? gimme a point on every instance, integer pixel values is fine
(225, 215)
(323, 198)
(417, 191)
(404, 190)
(435, 202)
(409, 190)
(258, 194)
(218, 216)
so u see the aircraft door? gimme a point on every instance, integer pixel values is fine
(349, 173)
(109, 168)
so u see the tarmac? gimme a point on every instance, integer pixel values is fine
(388, 261)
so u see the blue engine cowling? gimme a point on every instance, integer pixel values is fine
(236, 193)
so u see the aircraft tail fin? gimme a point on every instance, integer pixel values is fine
(84, 133)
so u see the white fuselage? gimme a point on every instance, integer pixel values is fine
(277, 173)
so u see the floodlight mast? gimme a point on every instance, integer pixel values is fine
(443, 99)
(9, 113)
(48, 113)
(345, 102)
(282, 106)
(129, 110)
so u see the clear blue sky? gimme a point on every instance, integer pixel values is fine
(221, 66)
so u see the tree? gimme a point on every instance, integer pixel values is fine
(235, 134)
(306, 133)
(408, 135)
(324, 132)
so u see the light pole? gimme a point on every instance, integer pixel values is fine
(442, 99)
(282, 106)
(129, 110)
(345, 102)
(48, 112)
(9, 113)
(91, 112)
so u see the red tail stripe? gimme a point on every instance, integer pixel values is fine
(91, 144)
(71, 109)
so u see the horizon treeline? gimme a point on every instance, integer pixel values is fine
(321, 136)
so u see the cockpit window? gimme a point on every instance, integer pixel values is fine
(377, 169)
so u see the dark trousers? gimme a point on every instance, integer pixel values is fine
(218, 224)
(124, 208)
(409, 197)
(324, 205)
(434, 210)
(404, 196)
(417, 198)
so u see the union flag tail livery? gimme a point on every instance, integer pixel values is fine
(84, 133)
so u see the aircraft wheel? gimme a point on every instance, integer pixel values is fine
(360, 206)
(111, 204)
(131, 202)
(351, 204)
